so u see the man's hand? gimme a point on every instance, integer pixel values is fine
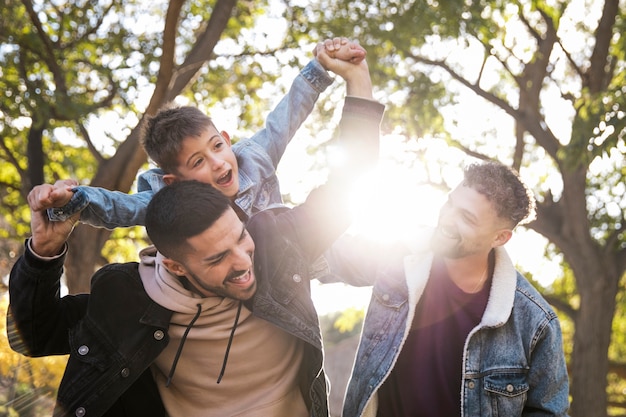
(346, 59)
(48, 238)
(342, 49)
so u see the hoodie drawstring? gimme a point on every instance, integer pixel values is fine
(182, 342)
(180, 345)
(230, 341)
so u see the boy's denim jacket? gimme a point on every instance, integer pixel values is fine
(257, 157)
(513, 361)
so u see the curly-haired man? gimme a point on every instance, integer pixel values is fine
(452, 328)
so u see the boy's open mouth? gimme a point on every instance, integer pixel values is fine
(226, 178)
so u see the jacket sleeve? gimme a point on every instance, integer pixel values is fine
(354, 259)
(289, 114)
(100, 207)
(548, 393)
(38, 319)
(325, 215)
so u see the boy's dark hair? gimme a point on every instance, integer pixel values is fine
(180, 211)
(163, 134)
(504, 189)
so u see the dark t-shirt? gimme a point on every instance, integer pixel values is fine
(426, 379)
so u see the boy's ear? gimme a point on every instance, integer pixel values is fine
(226, 137)
(169, 178)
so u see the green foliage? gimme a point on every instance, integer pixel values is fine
(64, 66)
(617, 351)
(124, 244)
(564, 289)
(42, 375)
(596, 129)
(234, 78)
(341, 325)
(375, 25)
(349, 320)
(56, 72)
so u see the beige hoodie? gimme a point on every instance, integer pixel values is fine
(260, 378)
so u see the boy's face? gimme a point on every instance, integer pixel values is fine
(468, 225)
(208, 158)
(220, 260)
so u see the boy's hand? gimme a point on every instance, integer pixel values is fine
(355, 72)
(342, 49)
(48, 238)
(47, 196)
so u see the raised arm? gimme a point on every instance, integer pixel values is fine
(292, 110)
(283, 122)
(325, 215)
(38, 319)
(100, 207)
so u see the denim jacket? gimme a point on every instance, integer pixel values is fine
(513, 361)
(114, 333)
(257, 157)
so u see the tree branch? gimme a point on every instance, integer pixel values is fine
(166, 67)
(549, 220)
(536, 35)
(502, 62)
(470, 152)
(472, 86)
(92, 29)
(49, 56)
(561, 305)
(570, 59)
(89, 142)
(535, 125)
(203, 47)
(597, 73)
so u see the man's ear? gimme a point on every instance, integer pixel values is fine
(169, 178)
(226, 137)
(502, 237)
(174, 267)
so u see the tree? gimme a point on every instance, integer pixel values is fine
(528, 60)
(64, 64)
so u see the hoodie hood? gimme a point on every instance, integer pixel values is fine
(166, 289)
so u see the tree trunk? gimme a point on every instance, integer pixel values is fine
(597, 287)
(597, 272)
(35, 156)
(590, 362)
(85, 243)
(597, 276)
(84, 258)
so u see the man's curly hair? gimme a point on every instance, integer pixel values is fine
(503, 187)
